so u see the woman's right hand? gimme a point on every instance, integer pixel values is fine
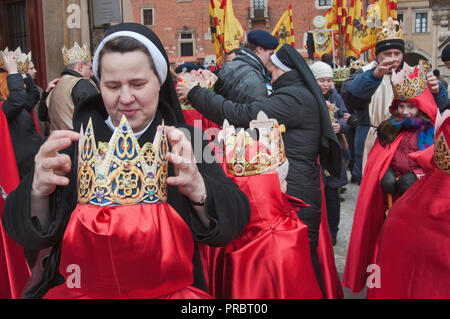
(10, 64)
(51, 85)
(52, 166)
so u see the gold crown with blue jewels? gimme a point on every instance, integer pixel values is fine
(121, 172)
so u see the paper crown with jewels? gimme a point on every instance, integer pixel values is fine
(357, 64)
(245, 156)
(390, 30)
(441, 155)
(76, 54)
(121, 172)
(341, 74)
(409, 82)
(23, 60)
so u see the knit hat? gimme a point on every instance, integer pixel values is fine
(321, 70)
(446, 53)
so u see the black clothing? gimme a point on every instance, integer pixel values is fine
(293, 105)
(80, 92)
(17, 109)
(226, 205)
(354, 104)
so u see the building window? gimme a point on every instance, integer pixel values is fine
(258, 4)
(186, 44)
(147, 17)
(325, 3)
(421, 22)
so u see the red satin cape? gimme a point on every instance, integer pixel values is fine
(14, 271)
(414, 254)
(138, 251)
(369, 216)
(330, 278)
(370, 205)
(271, 258)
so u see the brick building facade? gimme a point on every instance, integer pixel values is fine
(183, 25)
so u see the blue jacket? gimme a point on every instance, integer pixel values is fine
(336, 99)
(365, 85)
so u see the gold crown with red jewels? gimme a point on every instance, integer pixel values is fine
(76, 54)
(245, 156)
(23, 60)
(121, 172)
(409, 82)
(391, 29)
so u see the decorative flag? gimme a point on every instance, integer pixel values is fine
(217, 14)
(233, 32)
(362, 37)
(336, 20)
(284, 30)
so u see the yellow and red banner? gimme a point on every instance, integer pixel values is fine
(233, 32)
(284, 30)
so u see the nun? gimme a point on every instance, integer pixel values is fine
(118, 210)
(298, 103)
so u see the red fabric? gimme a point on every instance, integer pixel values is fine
(138, 251)
(330, 278)
(370, 206)
(402, 163)
(414, 255)
(195, 118)
(271, 258)
(369, 216)
(14, 271)
(35, 121)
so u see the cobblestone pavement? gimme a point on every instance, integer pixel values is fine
(345, 228)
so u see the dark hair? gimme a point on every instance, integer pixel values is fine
(350, 59)
(328, 59)
(436, 72)
(251, 46)
(124, 45)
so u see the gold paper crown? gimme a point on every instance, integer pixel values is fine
(121, 172)
(23, 60)
(409, 82)
(341, 74)
(245, 156)
(441, 155)
(76, 54)
(390, 30)
(356, 64)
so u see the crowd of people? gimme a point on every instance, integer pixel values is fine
(111, 172)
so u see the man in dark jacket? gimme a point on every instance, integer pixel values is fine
(298, 103)
(18, 108)
(74, 86)
(247, 70)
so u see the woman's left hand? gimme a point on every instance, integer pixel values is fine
(187, 176)
(183, 89)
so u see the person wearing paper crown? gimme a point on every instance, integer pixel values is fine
(63, 94)
(415, 239)
(298, 103)
(126, 201)
(19, 143)
(20, 95)
(390, 171)
(274, 242)
(370, 92)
